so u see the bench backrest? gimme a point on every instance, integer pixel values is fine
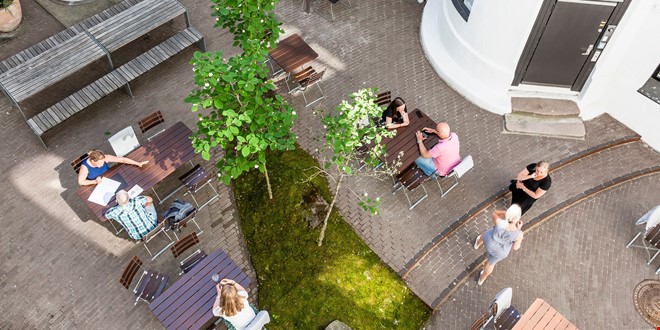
(383, 99)
(129, 272)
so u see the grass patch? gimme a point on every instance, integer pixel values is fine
(305, 286)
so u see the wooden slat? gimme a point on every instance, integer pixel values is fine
(292, 52)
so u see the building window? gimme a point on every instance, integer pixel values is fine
(651, 88)
(463, 7)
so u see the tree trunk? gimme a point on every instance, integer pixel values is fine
(327, 214)
(270, 192)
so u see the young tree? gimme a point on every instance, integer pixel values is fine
(244, 115)
(354, 138)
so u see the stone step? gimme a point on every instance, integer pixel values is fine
(541, 125)
(544, 106)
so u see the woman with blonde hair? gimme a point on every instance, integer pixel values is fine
(96, 164)
(498, 241)
(232, 305)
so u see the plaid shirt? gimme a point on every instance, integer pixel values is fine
(133, 217)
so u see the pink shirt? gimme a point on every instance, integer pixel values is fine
(446, 154)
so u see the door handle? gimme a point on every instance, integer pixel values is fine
(588, 50)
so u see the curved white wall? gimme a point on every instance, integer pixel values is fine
(478, 58)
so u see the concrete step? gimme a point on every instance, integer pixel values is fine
(544, 106)
(541, 125)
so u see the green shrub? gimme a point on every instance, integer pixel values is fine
(5, 3)
(305, 286)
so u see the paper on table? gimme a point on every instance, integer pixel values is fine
(135, 191)
(104, 191)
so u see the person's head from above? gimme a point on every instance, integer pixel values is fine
(513, 213)
(122, 197)
(398, 105)
(231, 301)
(443, 130)
(542, 168)
(96, 158)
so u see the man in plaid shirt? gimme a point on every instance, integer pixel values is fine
(137, 215)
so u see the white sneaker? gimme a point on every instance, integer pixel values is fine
(476, 242)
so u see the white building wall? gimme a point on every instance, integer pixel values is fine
(478, 58)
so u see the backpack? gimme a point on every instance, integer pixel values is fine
(177, 211)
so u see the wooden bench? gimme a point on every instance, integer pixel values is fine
(112, 81)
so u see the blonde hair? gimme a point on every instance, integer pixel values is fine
(543, 164)
(231, 301)
(513, 213)
(95, 155)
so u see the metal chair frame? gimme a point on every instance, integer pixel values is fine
(194, 187)
(160, 228)
(332, 13)
(458, 171)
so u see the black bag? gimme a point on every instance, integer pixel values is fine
(177, 211)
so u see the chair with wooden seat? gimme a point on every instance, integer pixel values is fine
(456, 173)
(194, 180)
(150, 285)
(124, 141)
(176, 227)
(160, 228)
(650, 235)
(76, 163)
(409, 180)
(149, 122)
(383, 99)
(304, 79)
(501, 313)
(183, 245)
(332, 12)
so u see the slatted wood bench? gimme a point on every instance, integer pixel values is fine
(114, 80)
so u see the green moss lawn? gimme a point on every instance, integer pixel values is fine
(305, 286)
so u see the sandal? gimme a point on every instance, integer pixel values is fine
(479, 281)
(476, 242)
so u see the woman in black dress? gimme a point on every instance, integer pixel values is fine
(530, 184)
(395, 115)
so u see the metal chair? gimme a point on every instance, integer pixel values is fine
(383, 99)
(195, 180)
(465, 165)
(76, 163)
(184, 245)
(410, 179)
(152, 120)
(124, 141)
(183, 223)
(150, 285)
(651, 234)
(501, 313)
(304, 79)
(160, 228)
(332, 12)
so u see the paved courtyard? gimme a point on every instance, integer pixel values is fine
(60, 268)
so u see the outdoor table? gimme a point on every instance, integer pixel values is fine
(292, 52)
(540, 315)
(188, 304)
(165, 153)
(406, 142)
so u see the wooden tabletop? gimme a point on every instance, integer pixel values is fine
(406, 142)
(292, 52)
(188, 304)
(541, 316)
(165, 153)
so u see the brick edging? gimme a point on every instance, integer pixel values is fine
(542, 218)
(421, 254)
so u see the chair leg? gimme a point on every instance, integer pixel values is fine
(634, 238)
(412, 205)
(115, 228)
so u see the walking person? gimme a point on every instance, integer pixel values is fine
(500, 239)
(530, 184)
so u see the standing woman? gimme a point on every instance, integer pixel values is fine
(232, 305)
(395, 115)
(96, 164)
(530, 184)
(499, 240)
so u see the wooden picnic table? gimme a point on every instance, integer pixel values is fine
(292, 52)
(406, 142)
(541, 316)
(188, 304)
(165, 153)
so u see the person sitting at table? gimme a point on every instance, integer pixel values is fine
(232, 305)
(395, 115)
(96, 164)
(137, 215)
(444, 156)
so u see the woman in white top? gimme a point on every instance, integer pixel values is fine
(232, 304)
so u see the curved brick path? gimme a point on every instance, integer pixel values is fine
(577, 261)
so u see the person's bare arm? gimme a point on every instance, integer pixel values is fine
(518, 241)
(218, 289)
(422, 148)
(533, 194)
(82, 177)
(524, 175)
(123, 160)
(497, 215)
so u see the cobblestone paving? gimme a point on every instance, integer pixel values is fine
(577, 261)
